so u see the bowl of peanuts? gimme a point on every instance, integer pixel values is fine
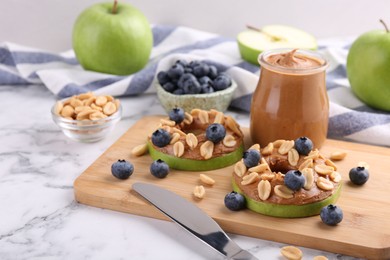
(87, 117)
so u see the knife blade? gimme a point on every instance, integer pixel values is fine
(192, 219)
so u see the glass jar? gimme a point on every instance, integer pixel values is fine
(290, 102)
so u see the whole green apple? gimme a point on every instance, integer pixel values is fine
(368, 68)
(112, 38)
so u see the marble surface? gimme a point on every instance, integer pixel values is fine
(39, 218)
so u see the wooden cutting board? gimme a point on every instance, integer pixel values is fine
(364, 231)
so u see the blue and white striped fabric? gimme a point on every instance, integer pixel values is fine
(349, 118)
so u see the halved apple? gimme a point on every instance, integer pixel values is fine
(197, 165)
(288, 211)
(252, 42)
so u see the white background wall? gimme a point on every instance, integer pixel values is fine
(47, 24)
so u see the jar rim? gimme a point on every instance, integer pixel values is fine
(310, 53)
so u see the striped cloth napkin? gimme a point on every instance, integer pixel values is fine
(350, 119)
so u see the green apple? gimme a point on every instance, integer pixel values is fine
(112, 38)
(197, 165)
(288, 211)
(254, 41)
(368, 68)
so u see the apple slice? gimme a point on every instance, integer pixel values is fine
(197, 165)
(288, 211)
(254, 41)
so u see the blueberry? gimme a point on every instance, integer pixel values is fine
(234, 201)
(205, 80)
(191, 86)
(161, 137)
(159, 169)
(206, 89)
(215, 132)
(251, 158)
(169, 87)
(177, 115)
(122, 169)
(183, 63)
(222, 82)
(178, 91)
(201, 70)
(194, 64)
(213, 72)
(188, 70)
(175, 71)
(163, 78)
(303, 145)
(174, 81)
(331, 215)
(294, 180)
(359, 175)
(183, 78)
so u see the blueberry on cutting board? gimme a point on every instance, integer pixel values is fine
(159, 169)
(359, 175)
(331, 215)
(122, 169)
(234, 201)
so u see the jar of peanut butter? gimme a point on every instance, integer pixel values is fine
(290, 100)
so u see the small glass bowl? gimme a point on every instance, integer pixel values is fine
(87, 131)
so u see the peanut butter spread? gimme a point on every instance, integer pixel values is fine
(198, 127)
(292, 60)
(279, 165)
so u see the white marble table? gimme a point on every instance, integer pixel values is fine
(39, 217)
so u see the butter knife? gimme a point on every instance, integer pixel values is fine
(192, 219)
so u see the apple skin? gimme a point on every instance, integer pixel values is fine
(288, 211)
(118, 43)
(197, 165)
(248, 53)
(368, 69)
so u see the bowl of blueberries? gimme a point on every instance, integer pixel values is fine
(194, 84)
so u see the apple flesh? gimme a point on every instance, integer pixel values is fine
(111, 41)
(288, 211)
(368, 68)
(197, 165)
(254, 41)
